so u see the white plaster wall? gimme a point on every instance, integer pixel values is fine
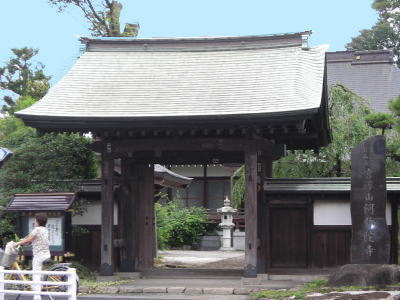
(92, 216)
(331, 212)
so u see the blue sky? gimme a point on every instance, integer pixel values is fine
(35, 23)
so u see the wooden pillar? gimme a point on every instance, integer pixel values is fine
(68, 230)
(264, 167)
(205, 186)
(107, 213)
(394, 232)
(251, 244)
(127, 217)
(145, 217)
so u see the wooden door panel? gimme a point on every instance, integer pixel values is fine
(288, 237)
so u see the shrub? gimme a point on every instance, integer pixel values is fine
(83, 272)
(178, 225)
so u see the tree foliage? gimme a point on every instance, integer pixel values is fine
(393, 145)
(352, 121)
(50, 163)
(385, 34)
(347, 113)
(22, 77)
(102, 15)
(380, 120)
(239, 187)
(178, 225)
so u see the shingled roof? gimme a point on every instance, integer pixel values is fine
(42, 201)
(179, 78)
(370, 74)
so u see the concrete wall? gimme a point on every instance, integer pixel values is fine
(336, 212)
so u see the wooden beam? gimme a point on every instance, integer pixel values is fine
(107, 213)
(251, 214)
(185, 157)
(190, 144)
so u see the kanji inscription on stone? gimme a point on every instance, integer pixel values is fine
(370, 242)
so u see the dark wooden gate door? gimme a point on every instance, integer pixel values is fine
(288, 234)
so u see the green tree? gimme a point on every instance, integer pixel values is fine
(347, 113)
(393, 147)
(50, 163)
(388, 10)
(239, 188)
(178, 225)
(102, 15)
(22, 77)
(380, 120)
(385, 33)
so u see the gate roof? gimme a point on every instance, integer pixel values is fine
(128, 83)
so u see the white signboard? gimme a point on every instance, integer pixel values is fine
(54, 225)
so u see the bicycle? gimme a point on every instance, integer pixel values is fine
(10, 261)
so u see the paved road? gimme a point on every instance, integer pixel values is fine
(146, 297)
(94, 298)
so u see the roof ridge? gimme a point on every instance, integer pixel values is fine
(199, 38)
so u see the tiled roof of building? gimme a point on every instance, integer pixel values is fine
(187, 78)
(167, 178)
(370, 74)
(42, 202)
(162, 177)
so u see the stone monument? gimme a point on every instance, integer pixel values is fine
(226, 224)
(370, 242)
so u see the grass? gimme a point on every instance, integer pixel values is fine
(316, 286)
(94, 285)
(158, 260)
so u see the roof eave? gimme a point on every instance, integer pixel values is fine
(46, 121)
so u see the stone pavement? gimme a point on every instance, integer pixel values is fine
(203, 275)
(209, 283)
(191, 286)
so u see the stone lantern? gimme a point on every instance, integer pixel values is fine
(226, 224)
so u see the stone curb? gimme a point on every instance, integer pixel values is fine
(154, 290)
(164, 290)
(194, 291)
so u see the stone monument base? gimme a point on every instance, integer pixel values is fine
(365, 275)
